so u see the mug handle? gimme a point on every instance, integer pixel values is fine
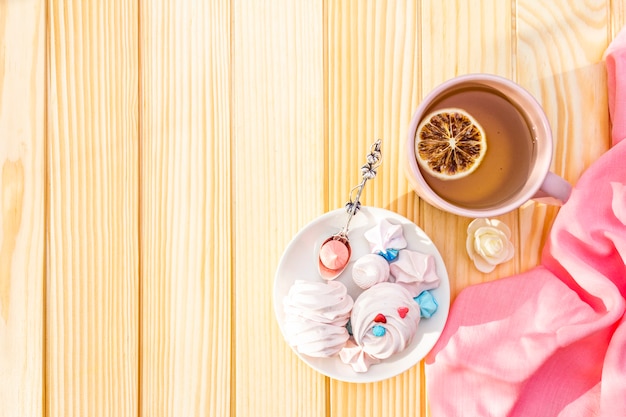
(554, 190)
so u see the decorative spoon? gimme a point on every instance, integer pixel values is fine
(335, 251)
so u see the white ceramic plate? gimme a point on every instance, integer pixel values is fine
(299, 261)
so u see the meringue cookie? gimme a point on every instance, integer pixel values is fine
(316, 314)
(385, 236)
(369, 270)
(353, 355)
(385, 305)
(322, 302)
(415, 271)
(314, 339)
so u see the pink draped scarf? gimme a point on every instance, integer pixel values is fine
(550, 341)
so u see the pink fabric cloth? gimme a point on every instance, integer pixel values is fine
(550, 341)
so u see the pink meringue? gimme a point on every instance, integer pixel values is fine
(369, 270)
(402, 316)
(385, 236)
(415, 271)
(353, 355)
(316, 314)
(315, 339)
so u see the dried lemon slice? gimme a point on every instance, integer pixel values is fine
(450, 144)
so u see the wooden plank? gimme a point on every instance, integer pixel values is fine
(559, 60)
(91, 237)
(185, 214)
(373, 81)
(278, 154)
(373, 89)
(617, 12)
(22, 205)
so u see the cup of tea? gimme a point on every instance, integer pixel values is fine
(515, 165)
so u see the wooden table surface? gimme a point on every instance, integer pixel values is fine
(156, 157)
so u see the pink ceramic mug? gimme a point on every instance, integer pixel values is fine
(516, 166)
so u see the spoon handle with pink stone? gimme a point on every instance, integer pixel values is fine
(335, 252)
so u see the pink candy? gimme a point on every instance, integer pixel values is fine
(334, 254)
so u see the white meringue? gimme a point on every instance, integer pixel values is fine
(385, 236)
(401, 315)
(315, 339)
(316, 314)
(415, 271)
(353, 355)
(369, 270)
(322, 302)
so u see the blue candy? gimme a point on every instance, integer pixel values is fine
(428, 304)
(389, 254)
(379, 330)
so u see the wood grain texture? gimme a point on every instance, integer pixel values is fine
(91, 237)
(280, 164)
(373, 82)
(185, 189)
(617, 11)
(157, 157)
(22, 207)
(559, 60)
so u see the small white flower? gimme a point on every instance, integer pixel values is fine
(488, 243)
